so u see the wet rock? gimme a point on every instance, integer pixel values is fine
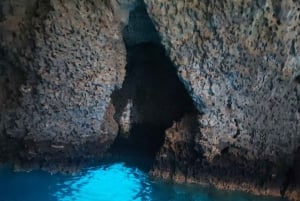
(182, 160)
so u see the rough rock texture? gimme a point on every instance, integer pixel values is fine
(240, 61)
(181, 159)
(59, 63)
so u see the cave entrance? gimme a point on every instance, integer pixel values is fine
(152, 96)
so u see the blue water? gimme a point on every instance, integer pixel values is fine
(112, 182)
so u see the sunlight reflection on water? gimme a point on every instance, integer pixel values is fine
(114, 183)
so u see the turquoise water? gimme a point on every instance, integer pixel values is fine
(111, 182)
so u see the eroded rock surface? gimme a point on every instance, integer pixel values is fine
(240, 61)
(60, 61)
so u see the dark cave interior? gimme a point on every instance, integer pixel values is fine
(157, 96)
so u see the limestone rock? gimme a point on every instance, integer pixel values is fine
(59, 63)
(240, 62)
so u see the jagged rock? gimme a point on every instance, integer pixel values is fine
(240, 62)
(182, 160)
(59, 63)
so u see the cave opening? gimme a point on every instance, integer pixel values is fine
(152, 96)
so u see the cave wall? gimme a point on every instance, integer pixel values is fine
(240, 62)
(59, 63)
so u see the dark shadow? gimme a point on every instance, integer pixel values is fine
(12, 78)
(152, 94)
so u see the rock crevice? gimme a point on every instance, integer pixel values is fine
(152, 96)
(210, 89)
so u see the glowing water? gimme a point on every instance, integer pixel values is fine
(114, 182)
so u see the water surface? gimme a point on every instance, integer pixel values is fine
(110, 182)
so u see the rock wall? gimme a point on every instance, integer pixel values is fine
(59, 63)
(240, 61)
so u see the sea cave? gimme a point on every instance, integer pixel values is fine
(149, 100)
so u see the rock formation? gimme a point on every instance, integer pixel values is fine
(60, 62)
(64, 95)
(240, 62)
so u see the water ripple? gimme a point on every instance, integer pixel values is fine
(114, 182)
(109, 183)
